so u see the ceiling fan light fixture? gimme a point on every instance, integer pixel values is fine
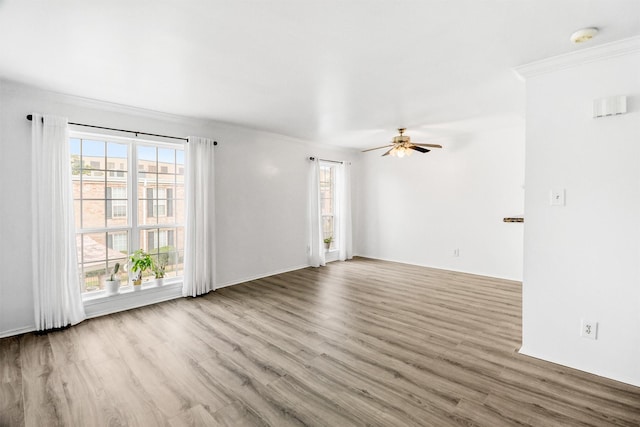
(583, 35)
(401, 145)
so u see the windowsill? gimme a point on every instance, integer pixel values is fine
(98, 303)
(128, 289)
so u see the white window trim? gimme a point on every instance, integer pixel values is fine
(332, 253)
(98, 303)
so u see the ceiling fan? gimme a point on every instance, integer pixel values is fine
(402, 145)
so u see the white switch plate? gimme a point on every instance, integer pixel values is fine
(589, 329)
(557, 197)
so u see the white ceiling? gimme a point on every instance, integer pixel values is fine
(334, 71)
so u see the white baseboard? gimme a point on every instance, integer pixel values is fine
(17, 331)
(439, 268)
(623, 379)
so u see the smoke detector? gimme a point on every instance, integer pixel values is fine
(584, 35)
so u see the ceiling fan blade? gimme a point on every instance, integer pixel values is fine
(420, 149)
(377, 148)
(388, 152)
(428, 145)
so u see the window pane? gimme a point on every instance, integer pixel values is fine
(179, 192)
(166, 211)
(118, 189)
(74, 147)
(92, 149)
(166, 239)
(77, 211)
(160, 208)
(149, 240)
(118, 244)
(166, 180)
(166, 159)
(169, 193)
(93, 213)
(117, 155)
(122, 271)
(93, 188)
(179, 211)
(178, 265)
(179, 268)
(146, 209)
(94, 248)
(118, 218)
(146, 155)
(147, 187)
(93, 275)
(327, 227)
(117, 205)
(76, 166)
(180, 238)
(180, 157)
(171, 263)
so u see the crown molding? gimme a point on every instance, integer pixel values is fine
(584, 56)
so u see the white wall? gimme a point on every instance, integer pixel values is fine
(418, 210)
(260, 191)
(582, 260)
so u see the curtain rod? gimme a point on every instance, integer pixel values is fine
(30, 117)
(324, 160)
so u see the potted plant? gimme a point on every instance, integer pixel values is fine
(327, 242)
(140, 262)
(112, 284)
(158, 270)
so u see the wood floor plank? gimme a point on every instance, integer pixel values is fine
(11, 404)
(10, 364)
(362, 342)
(193, 417)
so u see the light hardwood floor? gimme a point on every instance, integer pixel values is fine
(362, 342)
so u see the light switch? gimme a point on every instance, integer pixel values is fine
(557, 197)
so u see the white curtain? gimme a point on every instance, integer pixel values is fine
(199, 253)
(343, 197)
(316, 241)
(56, 287)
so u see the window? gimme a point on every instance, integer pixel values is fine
(111, 167)
(118, 242)
(159, 202)
(328, 202)
(117, 199)
(122, 204)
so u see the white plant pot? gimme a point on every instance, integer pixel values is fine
(112, 287)
(137, 288)
(159, 282)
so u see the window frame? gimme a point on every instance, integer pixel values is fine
(133, 227)
(334, 208)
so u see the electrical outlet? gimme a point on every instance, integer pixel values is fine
(456, 252)
(589, 329)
